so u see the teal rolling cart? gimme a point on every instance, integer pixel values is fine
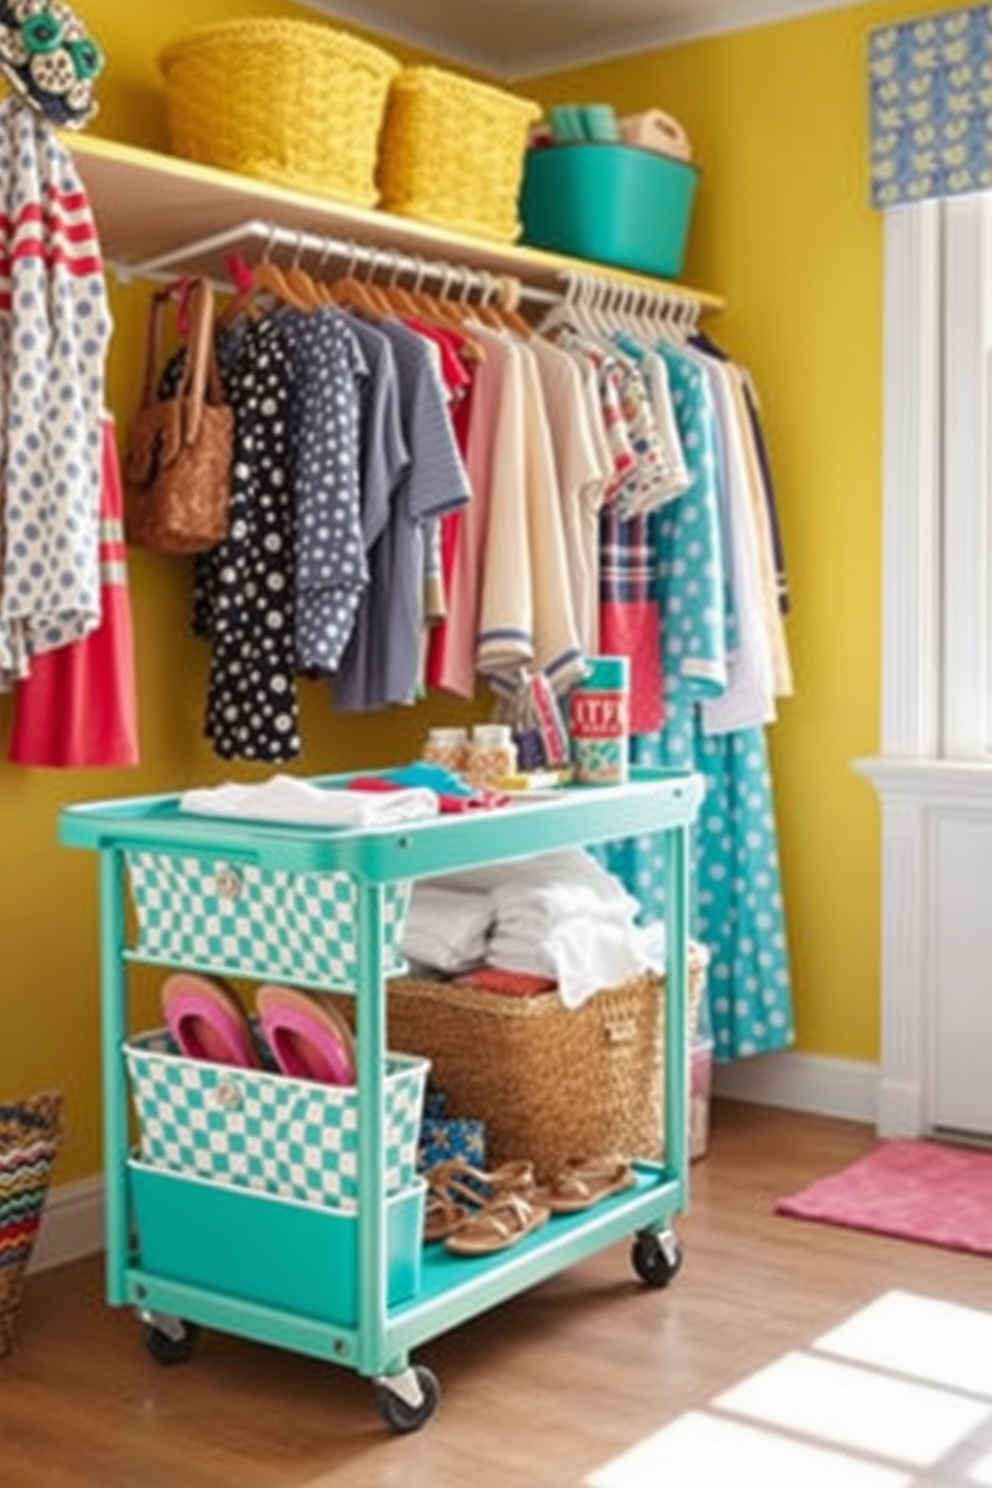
(350, 1285)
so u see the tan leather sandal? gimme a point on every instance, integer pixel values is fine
(583, 1181)
(504, 1221)
(456, 1190)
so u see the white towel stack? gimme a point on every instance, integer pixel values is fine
(563, 916)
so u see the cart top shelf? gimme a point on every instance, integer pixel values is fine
(651, 801)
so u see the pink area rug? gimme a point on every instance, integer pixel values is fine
(925, 1191)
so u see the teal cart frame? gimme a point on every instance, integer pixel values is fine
(452, 1289)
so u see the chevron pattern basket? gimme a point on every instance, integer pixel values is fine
(29, 1136)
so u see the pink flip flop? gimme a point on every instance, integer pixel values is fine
(307, 1037)
(207, 1021)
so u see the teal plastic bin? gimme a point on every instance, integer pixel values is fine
(615, 204)
(302, 1258)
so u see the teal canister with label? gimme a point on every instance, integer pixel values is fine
(599, 713)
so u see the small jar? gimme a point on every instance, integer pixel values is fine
(447, 747)
(492, 754)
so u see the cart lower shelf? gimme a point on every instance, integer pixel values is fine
(451, 1290)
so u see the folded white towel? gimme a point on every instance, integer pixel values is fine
(568, 871)
(542, 909)
(445, 930)
(562, 915)
(284, 798)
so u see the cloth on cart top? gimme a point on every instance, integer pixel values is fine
(283, 798)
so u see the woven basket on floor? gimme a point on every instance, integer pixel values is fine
(452, 152)
(549, 1082)
(29, 1135)
(295, 102)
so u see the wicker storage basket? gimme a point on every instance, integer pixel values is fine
(549, 1082)
(452, 152)
(29, 1134)
(295, 102)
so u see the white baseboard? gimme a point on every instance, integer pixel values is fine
(72, 1226)
(843, 1088)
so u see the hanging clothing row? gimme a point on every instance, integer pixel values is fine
(468, 499)
(522, 498)
(711, 556)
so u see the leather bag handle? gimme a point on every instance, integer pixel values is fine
(200, 378)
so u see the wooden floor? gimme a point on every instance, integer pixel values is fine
(555, 1387)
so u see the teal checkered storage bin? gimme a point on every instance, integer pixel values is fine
(233, 916)
(266, 1131)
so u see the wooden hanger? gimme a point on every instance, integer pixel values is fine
(437, 307)
(300, 282)
(437, 311)
(507, 289)
(478, 310)
(267, 278)
(400, 299)
(351, 293)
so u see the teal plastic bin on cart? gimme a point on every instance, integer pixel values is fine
(615, 204)
(301, 1257)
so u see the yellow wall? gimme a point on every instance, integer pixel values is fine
(48, 903)
(778, 117)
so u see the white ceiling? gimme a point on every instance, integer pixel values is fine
(522, 38)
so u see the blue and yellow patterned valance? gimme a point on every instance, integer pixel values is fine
(931, 107)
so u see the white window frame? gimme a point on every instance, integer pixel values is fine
(934, 774)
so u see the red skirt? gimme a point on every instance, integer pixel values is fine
(78, 707)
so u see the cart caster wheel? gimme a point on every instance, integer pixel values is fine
(657, 1259)
(398, 1412)
(173, 1345)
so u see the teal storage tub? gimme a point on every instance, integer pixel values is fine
(614, 204)
(302, 1258)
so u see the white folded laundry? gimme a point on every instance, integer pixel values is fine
(446, 930)
(284, 798)
(582, 954)
(567, 869)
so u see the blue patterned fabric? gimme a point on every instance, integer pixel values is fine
(931, 107)
(443, 1138)
(738, 913)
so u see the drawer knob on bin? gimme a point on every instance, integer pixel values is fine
(228, 882)
(228, 1095)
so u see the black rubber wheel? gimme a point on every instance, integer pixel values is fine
(402, 1417)
(165, 1349)
(656, 1262)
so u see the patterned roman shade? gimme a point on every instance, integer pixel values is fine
(931, 107)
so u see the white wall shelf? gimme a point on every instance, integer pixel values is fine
(148, 205)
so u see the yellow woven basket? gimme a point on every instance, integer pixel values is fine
(452, 152)
(294, 102)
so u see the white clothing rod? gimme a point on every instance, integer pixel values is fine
(302, 243)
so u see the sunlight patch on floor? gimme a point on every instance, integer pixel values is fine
(700, 1450)
(941, 1342)
(903, 1386)
(981, 1472)
(857, 1408)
